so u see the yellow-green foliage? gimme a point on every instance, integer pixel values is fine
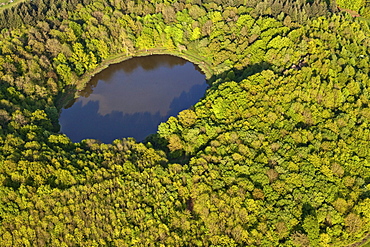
(275, 154)
(354, 5)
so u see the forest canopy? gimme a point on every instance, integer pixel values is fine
(275, 154)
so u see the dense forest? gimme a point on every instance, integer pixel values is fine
(275, 154)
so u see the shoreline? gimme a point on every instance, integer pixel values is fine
(71, 93)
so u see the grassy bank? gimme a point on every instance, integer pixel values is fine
(5, 4)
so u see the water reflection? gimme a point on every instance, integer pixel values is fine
(130, 99)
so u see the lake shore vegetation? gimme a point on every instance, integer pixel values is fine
(276, 153)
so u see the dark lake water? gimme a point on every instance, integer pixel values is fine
(132, 98)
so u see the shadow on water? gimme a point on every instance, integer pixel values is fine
(189, 98)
